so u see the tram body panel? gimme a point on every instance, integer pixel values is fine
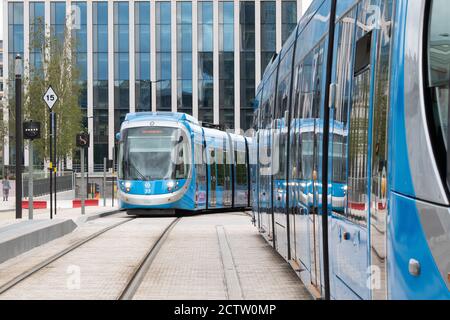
(419, 214)
(388, 195)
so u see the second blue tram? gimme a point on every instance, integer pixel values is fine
(168, 162)
(351, 135)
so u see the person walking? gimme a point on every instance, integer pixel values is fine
(6, 186)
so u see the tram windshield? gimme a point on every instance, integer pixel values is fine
(153, 153)
(439, 65)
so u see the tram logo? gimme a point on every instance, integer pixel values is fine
(147, 187)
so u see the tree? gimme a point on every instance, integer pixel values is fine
(59, 70)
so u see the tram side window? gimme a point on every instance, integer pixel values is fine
(199, 163)
(358, 173)
(120, 157)
(220, 167)
(438, 53)
(241, 168)
(342, 105)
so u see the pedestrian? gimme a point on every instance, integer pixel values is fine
(6, 187)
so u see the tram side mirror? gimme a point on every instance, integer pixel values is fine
(118, 136)
(180, 140)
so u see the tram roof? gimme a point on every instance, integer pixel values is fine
(161, 115)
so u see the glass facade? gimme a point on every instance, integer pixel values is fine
(142, 58)
(288, 18)
(247, 62)
(205, 61)
(121, 63)
(15, 47)
(37, 31)
(226, 63)
(184, 56)
(100, 78)
(268, 32)
(163, 57)
(58, 19)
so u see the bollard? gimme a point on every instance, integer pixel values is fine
(30, 180)
(104, 182)
(83, 186)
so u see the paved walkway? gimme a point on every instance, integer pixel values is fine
(219, 256)
(204, 257)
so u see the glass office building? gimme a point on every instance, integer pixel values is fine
(201, 57)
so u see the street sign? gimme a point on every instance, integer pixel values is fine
(50, 97)
(31, 130)
(82, 140)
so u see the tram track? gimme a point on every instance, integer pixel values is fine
(137, 276)
(27, 274)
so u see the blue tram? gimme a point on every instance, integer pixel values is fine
(352, 174)
(168, 162)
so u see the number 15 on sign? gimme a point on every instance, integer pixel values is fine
(50, 97)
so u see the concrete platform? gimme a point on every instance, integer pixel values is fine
(20, 237)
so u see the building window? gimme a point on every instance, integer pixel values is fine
(163, 56)
(15, 47)
(100, 78)
(268, 32)
(205, 61)
(121, 63)
(58, 19)
(288, 18)
(184, 56)
(79, 33)
(226, 63)
(37, 31)
(142, 60)
(247, 62)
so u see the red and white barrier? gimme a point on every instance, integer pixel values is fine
(75, 203)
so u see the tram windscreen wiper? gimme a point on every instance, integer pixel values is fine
(136, 170)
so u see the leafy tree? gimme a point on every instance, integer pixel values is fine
(59, 70)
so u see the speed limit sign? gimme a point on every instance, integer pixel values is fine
(50, 97)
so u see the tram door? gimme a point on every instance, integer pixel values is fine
(213, 178)
(227, 160)
(265, 192)
(359, 149)
(308, 222)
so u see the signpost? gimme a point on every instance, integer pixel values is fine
(82, 141)
(50, 99)
(31, 131)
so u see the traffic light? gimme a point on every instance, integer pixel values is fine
(82, 140)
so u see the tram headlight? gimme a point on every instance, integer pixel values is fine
(170, 185)
(127, 186)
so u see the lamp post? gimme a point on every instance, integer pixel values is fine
(18, 72)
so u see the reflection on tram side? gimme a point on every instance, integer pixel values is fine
(367, 147)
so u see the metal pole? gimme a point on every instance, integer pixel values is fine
(104, 182)
(51, 164)
(19, 150)
(54, 156)
(83, 186)
(113, 175)
(30, 180)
